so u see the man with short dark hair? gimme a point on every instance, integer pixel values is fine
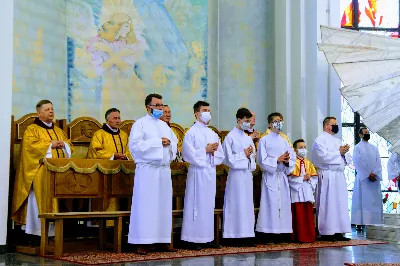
(202, 149)
(41, 140)
(153, 146)
(238, 201)
(302, 183)
(283, 135)
(277, 159)
(330, 158)
(366, 206)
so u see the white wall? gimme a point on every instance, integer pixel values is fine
(6, 55)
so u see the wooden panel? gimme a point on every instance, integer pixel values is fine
(77, 184)
(21, 125)
(218, 133)
(126, 126)
(81, 130)
(122, 184)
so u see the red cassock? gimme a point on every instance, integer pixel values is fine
(303, 222)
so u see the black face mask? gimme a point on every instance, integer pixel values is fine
(366, 137)
(335, 129)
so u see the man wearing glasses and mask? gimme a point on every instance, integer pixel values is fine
(277, 160)
(330, 158)
(153, 146)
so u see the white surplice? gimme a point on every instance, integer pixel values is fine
(199, 204)
(275, 214)
(393, 168)
(366, 207)
(300, 190)
(151, 211)
(332, 207)
(238, 200)
(33, 226)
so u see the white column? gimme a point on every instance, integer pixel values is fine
(6, 62)
(306, 88)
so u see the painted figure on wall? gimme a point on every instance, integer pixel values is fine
(119, 51)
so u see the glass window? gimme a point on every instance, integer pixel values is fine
(346, 7)
(379, 13)
(383, 15)
(347, 112)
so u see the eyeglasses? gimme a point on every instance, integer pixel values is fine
(157, 105)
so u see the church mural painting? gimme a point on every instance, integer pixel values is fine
(120, 51)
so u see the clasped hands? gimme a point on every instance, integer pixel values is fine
(344, 149)
(57, 144)
(372, 177)
(212, 147)
(255, 135)
(120, 156)
(249, 151)
(165, 142)
(284, 158)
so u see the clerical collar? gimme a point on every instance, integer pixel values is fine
(42, 124)
(238, 130)
(250, 130)
(200, 123)
(110, 130)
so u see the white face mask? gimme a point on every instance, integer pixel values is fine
(302, 153)
(205, 117)
(278, 125)
(245, 125)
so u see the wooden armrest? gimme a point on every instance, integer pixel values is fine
(85, 215)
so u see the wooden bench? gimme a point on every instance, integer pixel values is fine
(58, 219)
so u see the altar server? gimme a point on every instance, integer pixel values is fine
(238, 201)
(153, 146)
(303, 181)
(330, 157)
(202, 149)
(277, 159)
(367, 205)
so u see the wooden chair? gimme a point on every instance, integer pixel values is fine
(126, 126)
(179, 132)
(221, 138)
(80, 131)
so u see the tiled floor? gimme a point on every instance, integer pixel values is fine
(389, 253)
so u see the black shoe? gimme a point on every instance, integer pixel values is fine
(192, 246)
(34, 241)
(248, 243)
(210, 245)
(329, 238)
(340, 237)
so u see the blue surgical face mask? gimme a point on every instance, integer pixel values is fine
(156, 113)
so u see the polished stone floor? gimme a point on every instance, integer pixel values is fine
(389, 253)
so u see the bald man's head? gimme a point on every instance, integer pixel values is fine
(253, 119)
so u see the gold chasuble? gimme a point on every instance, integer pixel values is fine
(283, 135)
(105, 143)
(308, 167)
(34, 147)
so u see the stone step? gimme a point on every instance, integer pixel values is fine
(391, 219)
(389, 233)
